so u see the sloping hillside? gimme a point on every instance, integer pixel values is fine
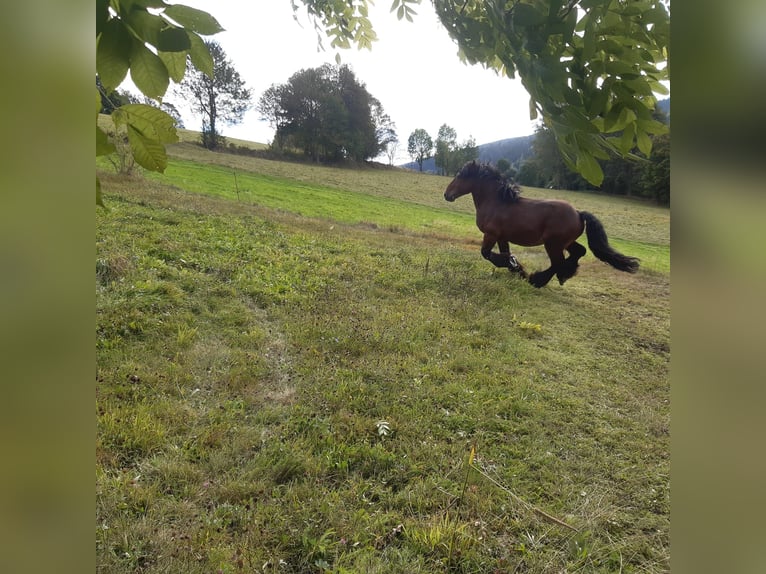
(305, 369)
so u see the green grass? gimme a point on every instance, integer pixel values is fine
(312, 200)
(248, 357)
(396, 200)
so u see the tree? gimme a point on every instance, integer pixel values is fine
(385, 131)
(451, 156)
(446, 144)
(391, 148)
(529, 174)
(219, 98)
(552, 170)
(465, 152)
(505, 168)
(655, 178)
(270, 107)
(419, 146)
(327, 113)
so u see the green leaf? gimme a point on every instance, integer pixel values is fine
(193, 19)
(200, 55)
(150, 3)
(173, 40)
(653, 127)
(151, 122)
(627, 139)
(148, 129)
(532, 109)
(644, 142)
(589, 43)
(572, 97)
(575, 120)
(175, 63)
(618, 117)
(102, 15)
(147, 152)
(525, 15)
(639, 86)
(589, 168)
(598, 102)
(145, 26)
(658, 88)
(148, 72)
(113, 54)
(103, 145)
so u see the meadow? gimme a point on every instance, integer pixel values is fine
(308, 369)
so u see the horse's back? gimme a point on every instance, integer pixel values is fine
(550, 219)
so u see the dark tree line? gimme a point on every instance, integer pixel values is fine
(644, 177)
(327, 114)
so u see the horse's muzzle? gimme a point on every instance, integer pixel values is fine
(448, 198)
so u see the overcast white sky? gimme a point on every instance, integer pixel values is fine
(413, 69)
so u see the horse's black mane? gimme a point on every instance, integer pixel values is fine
(509, 190)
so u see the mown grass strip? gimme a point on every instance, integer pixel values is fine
(316, 201)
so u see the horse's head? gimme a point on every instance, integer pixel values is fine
(481, 179)
(462, 184)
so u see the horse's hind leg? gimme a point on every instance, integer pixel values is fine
(513, 264)
(556, 255)
(569, 268)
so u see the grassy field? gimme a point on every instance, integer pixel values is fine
(321, 373)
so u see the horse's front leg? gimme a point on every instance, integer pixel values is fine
(497, 259)
(513, 264)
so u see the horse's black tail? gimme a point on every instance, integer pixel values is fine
(599, 244)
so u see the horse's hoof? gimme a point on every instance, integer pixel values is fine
(537, 281)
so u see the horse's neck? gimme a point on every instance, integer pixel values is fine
(483, 197)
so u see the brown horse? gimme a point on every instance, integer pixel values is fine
(505, 217)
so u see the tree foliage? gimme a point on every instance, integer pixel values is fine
(420, 146)
(446, 143)
(451, 156)
(591, 67)
(328, 114)
(219, 98)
